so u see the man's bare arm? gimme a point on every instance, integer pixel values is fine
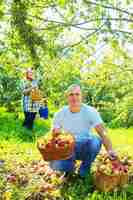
(100, 129)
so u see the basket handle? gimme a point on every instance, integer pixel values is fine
(115, 162)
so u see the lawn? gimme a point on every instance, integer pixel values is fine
(25, 176)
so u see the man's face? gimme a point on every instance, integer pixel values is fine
(29, 75)
(75, 97)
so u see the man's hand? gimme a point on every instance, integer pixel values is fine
(56, 132)
(112, 155)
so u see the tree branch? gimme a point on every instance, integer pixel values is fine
(106, 19)
(77, 25)
(94, 32)
(108, 7)
(86, 37)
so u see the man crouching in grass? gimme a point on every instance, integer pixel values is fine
(79, 119)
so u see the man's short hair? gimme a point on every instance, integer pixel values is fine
(29, 70)
(71, 87)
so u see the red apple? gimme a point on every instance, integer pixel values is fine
(11, 178)
(48, 145)
(61, 144)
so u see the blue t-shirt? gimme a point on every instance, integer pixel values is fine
(77, 123)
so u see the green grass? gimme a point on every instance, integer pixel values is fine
(11, 127)
(122, 140)
(18, 147)
(122, 136)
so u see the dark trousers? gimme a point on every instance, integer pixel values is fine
(29, 119)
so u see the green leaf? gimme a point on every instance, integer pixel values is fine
(62, 3)
(129, 189)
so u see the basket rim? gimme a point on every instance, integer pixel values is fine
(111, 175)
(57, 152)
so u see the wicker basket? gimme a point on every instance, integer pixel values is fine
(106, 183)
(36, 95)
(54, 150)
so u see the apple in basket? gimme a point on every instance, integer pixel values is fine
(48, 145)
(112, 167)
(61, 143)
(41, 144)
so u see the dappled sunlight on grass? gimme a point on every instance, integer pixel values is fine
(13, 150)
(124, 136)
(122, 140)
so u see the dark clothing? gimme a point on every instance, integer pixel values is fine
(30, 107)
(29, 119)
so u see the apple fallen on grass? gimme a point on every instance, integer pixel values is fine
(11, 178)
(47, 187)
